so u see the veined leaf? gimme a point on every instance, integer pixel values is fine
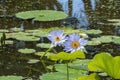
(106, 63)
(67, 56)
(89, 77)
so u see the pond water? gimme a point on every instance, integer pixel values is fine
(82, 14)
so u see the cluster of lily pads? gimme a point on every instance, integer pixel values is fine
(73, 41)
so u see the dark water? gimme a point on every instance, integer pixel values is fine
(13, 63)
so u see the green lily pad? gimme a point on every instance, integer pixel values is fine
(113, 20)
(116, 40)
(8, 42)
(42, 15)
(91, 31)
(15, 29)
(42, 54)
(67, 56)
(26, 51)
(106, 63)
(11, 77)
(3, 30)
(103, 39)
(15, 35)
(92, 76)
(93, 43)
(40, 34)
(33, 61)
(43, 45)
(28, 38)
(62, 73)
(80, 64)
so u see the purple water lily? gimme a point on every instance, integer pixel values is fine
(74, 43)
(57, 37)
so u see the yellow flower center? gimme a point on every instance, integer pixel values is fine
(75, 44)
(57, 38)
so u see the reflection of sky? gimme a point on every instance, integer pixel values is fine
(78, 11)
(93, 4)
(64, 4)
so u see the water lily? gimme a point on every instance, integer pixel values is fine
(57, 37)
(74, 43)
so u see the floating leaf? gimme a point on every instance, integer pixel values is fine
(93, 42)
(67, 56)
(15, 29)
(42, 15)
(42, 53)
(113, 20)
(106, 63)
(103, 39)
(27, 51)
(8, 42)
(93, 76)
(11, 77)
(32, 61)
(116, 40)
(28, 38)
(91, 31)
(79, 64)
(43, 45)
(3, 30)
(62, 73)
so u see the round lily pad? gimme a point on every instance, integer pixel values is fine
(33, 61)
(11, 77)
(42, 54)
(116, 40)
(15, 29)
(8, 42)
(26, 51)
(43, 45)
(3, 30)
(93, 42)
(42, 15)
(93, 31)
(28, 38)
(113, 20)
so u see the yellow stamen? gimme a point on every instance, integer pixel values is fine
(57, 38)
(75, 44)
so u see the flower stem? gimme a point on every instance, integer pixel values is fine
(46, 52)
(67, 71)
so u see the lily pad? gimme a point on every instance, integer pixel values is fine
(93, 43)
(42, 15)
(103, 39)
(91, 31)
(106, 63)
(116, 40)
(113, 20)
(92, 76)
(67, 56)
(42, 54)
(28, 38)
(3, 30)
(33, 61)
(15, 29)
(43, 45)
(26, 51)
(8, 42)
(11, 77)
(62, 73)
